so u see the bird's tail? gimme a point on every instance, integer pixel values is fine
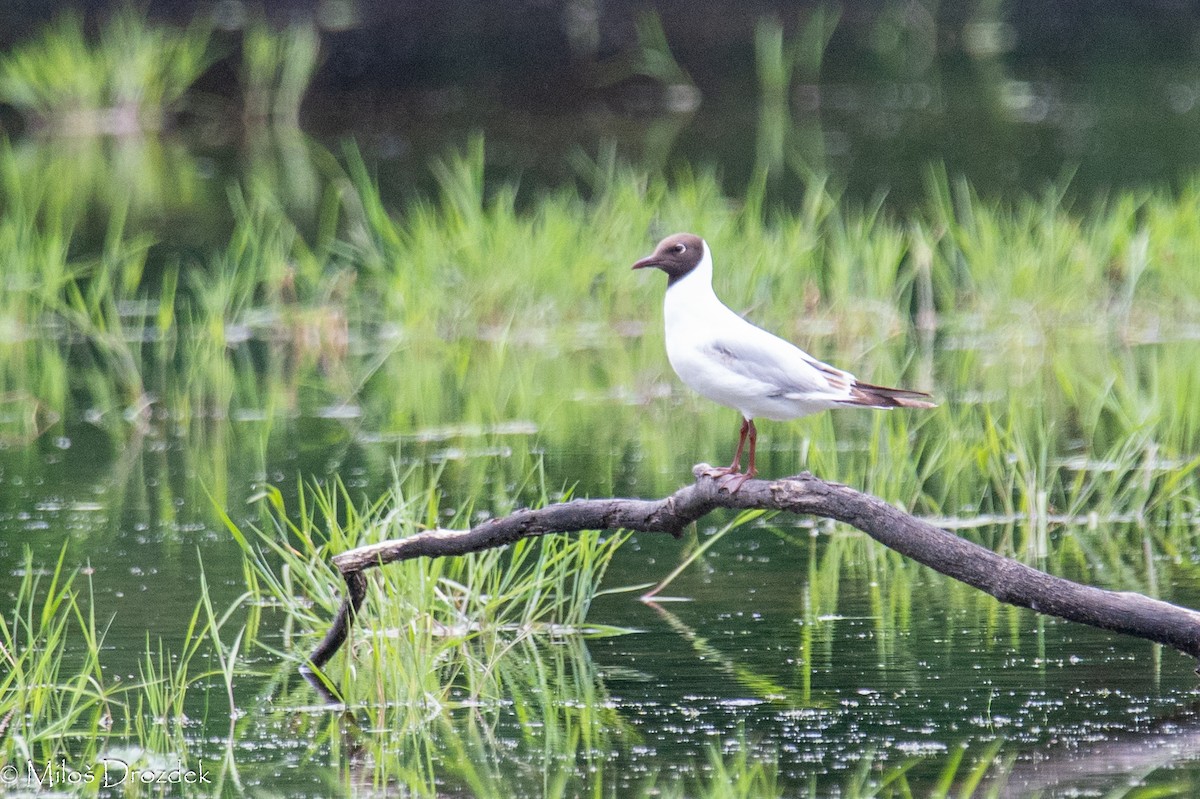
(871, 396)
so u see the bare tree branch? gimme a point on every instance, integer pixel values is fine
(1006, 579)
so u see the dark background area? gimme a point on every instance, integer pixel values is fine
(1011, 95)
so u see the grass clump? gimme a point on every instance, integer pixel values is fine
(46, 697)
(59, 698)
(450, 654)
(423, 610)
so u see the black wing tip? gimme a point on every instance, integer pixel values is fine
(874, 396)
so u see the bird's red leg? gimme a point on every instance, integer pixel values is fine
(737, 482)
(736, 466)
(751, 471)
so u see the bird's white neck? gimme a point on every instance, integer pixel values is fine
(691, 296)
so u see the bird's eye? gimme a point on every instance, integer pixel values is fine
(680, 248)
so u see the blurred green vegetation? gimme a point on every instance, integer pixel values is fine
(121, 83)
(1056, 338)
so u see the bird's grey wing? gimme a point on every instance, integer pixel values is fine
(787, 370)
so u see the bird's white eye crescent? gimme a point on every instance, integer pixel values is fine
(680, 248)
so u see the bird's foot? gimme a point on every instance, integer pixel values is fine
(719, 472)
(730, 478)
(733, 481)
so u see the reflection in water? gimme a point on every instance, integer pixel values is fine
(787, 138)
(536, 715)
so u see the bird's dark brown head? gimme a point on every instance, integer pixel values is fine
(676, 255)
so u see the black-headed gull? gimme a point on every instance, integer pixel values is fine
(721, 356)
